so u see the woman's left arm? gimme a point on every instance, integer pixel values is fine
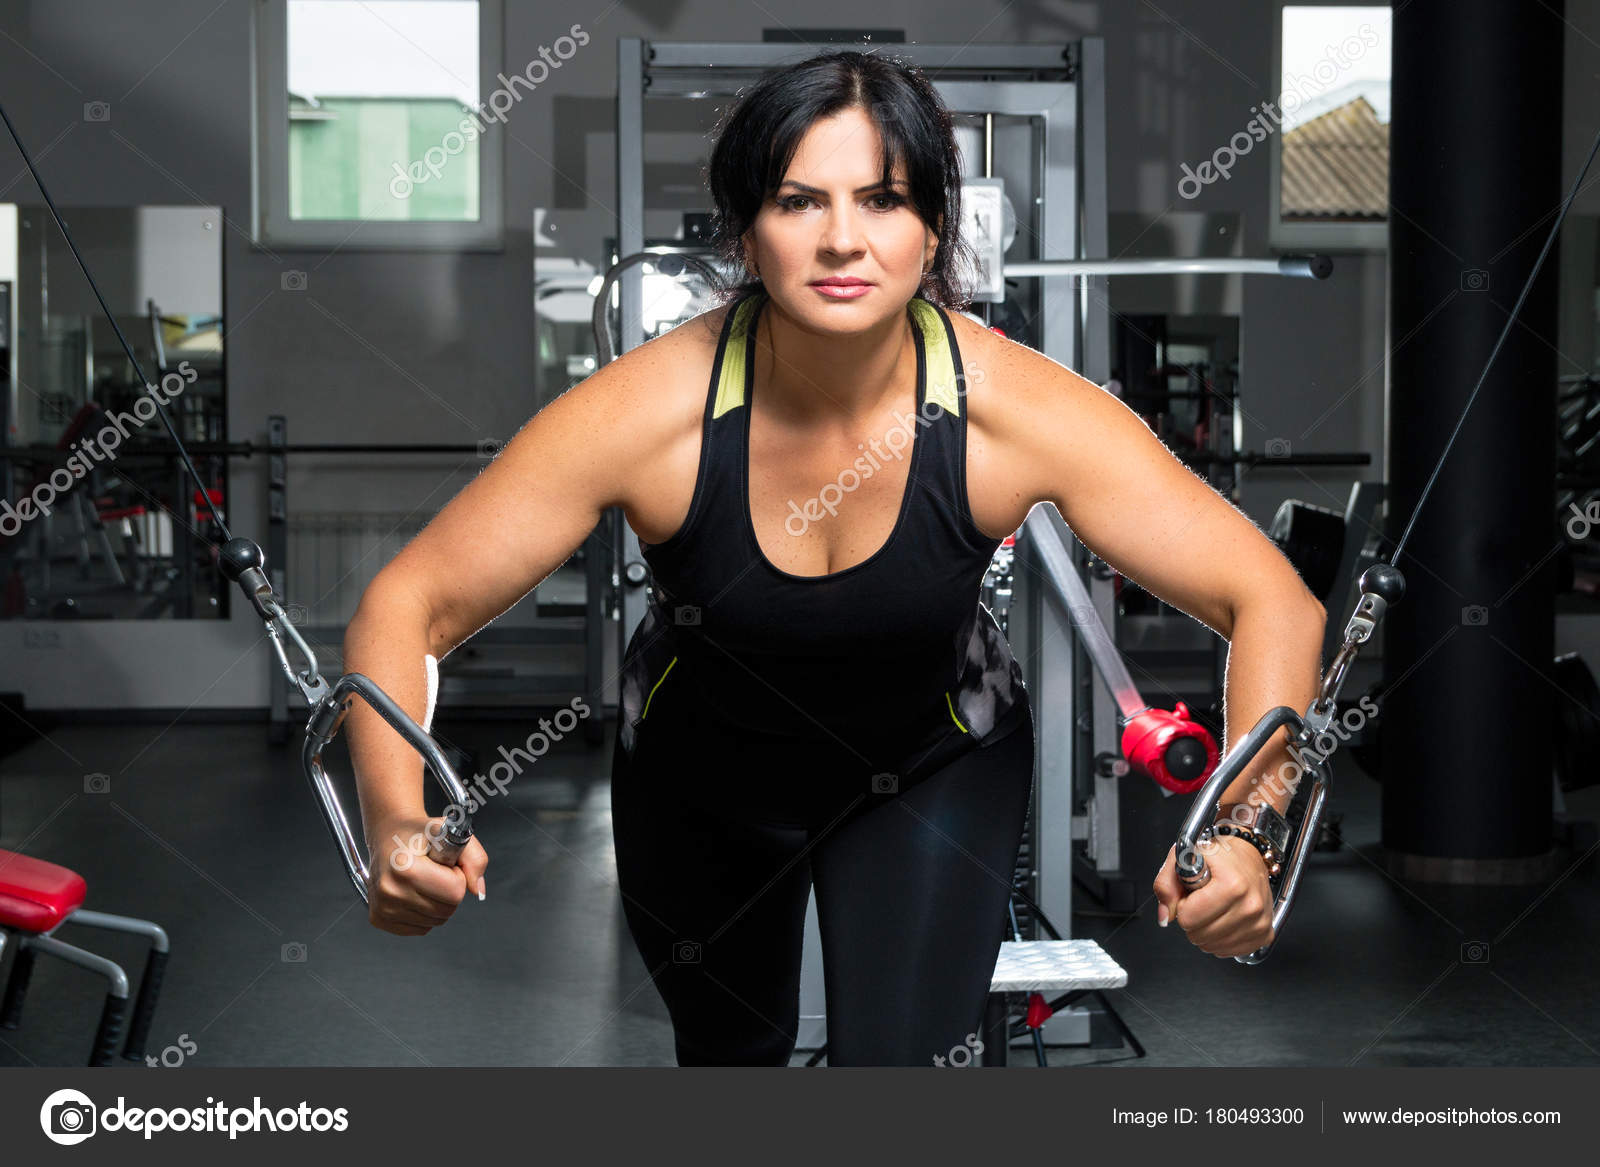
(1132, 503)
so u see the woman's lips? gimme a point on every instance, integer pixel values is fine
(843, 291)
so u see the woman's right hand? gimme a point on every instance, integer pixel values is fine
(408, 891)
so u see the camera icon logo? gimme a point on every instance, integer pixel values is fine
(293, 952)
(1475, 615)
(97, 111)
(293, 281)
(686, 952)
(1474, 279)
(1277, 447)
(885, 783)
(489, 447)
(686, 614)
(298, 616)
(97, 783)
(68, 1117)
(1475, 952)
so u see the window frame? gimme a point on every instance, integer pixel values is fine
(1348, 237)
(272, 227)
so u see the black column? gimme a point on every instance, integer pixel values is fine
(1474, 184)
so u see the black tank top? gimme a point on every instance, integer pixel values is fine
(895, 656)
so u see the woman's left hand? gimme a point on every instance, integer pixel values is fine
(1232, 914)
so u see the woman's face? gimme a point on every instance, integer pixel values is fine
(832, 220)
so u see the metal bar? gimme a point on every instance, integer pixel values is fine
(1317, 267)
(948, 58)
(512, 684)
(1069, 589)
(345, 448)
(83, 959)
(156, 341)
(548, 630)
(1098, 735)
(277, 566)
(183, 520)
(1333, 458)
(149, 929)
(233, 450)
(613, 546)
(1095, 356)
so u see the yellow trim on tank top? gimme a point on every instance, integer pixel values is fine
(941, 366)
(953, 716)
(653, 689)
(941, 362)
(730, 383)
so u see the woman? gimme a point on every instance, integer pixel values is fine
(819, 472)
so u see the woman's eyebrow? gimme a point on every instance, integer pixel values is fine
(800, 186)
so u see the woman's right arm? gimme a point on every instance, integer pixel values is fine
(507, 530)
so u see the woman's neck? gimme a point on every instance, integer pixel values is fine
(818, 379)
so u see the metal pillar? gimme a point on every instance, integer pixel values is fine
(1467, 744)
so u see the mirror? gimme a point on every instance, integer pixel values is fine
(98, 519)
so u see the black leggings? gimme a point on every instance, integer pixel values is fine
(715, 869)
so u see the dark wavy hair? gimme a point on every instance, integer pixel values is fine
(758, 135)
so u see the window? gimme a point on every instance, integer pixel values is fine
(372, 127)
(1330, 154)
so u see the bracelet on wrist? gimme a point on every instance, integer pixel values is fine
(1269, 853)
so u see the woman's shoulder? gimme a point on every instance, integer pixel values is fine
(657, 394)
(1009, 383)
(658, 388)
(1025, 412)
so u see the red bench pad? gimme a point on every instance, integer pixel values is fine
(34, 895)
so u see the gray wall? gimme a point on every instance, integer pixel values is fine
(431, 347)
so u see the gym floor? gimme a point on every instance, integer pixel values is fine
(210, 832)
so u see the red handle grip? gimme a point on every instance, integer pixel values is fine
(1157, 740)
